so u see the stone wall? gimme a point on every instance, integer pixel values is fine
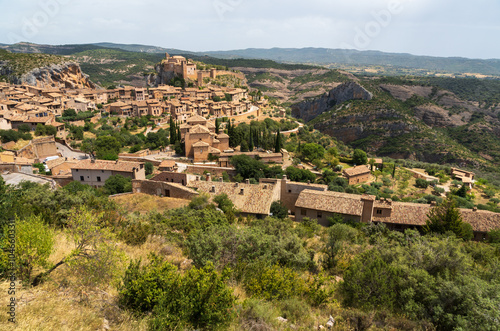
(162, 189)
(213, 170)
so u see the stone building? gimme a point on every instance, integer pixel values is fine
(200, 139)
(180, 66)
(357, 174)
(96, 172)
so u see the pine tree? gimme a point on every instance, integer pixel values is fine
(447, 217)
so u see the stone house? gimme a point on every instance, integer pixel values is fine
(167, 165)
(96, 172)
(357, 174)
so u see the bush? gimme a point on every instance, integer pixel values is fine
(117, 184)
(200, 299)
(274, 283)
(136, 233)
(307, 228)
(148, 168)
(421, 183)
(279, 210)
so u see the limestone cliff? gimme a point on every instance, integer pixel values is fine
(309, 109)
(161, 76)
(64, 75)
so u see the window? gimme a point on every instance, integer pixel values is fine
(379, 211)
(98, 178)
(289, 191)
(319, 215)
(303, 212)
(82, 179)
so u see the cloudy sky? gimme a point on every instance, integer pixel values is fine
(421, 27)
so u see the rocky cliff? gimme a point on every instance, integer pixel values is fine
(161, 76)
(64, 75)
(309, 109)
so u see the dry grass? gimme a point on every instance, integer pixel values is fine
(89, 135)
(61, 304)
(144, 203)
(20, 144)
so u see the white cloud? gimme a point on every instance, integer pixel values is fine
(442, 27)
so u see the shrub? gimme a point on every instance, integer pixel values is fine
(148, 168)
(279, 210)
(200, 299)
(34, 243)
(307, 228)
(274, 283)
(117, 184)
(136, 233)
(421, 183)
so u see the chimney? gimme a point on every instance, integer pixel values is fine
(284, 177)
(209, 178)
(265, 187)
(221, 180)
(433, 203)
(116, 162)
(308, 182)
(242, 191)
(367, 213)
(213, 189)
(197, 178)
(247, 181)
(474, 209)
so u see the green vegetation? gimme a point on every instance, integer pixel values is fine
(19, 64)
(244, 271)
(107, 66)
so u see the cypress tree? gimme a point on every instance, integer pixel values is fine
(250, 145)
(172, 131)
(277, 146)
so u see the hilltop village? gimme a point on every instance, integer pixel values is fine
(199, 119)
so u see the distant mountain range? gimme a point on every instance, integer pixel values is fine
(317, 56)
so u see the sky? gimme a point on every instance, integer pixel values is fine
(421, 27)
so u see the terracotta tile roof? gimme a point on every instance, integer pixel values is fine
(405, 213)
(123, 166)
(214, 150)
(196, 118)
(199, 129)
(416, 214)
(357, 170)
(481, 220)
(167, 164)
(118, 104)
(333, 202)
(222, 136)
(256, 199)
(200, 144)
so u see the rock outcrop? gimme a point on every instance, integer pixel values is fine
(436, 116)
(65, 75)
(161, 76)
(309, 109)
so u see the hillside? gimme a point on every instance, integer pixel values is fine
(42, 70)
(325, 56)
(414, 120)
(113, 66)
